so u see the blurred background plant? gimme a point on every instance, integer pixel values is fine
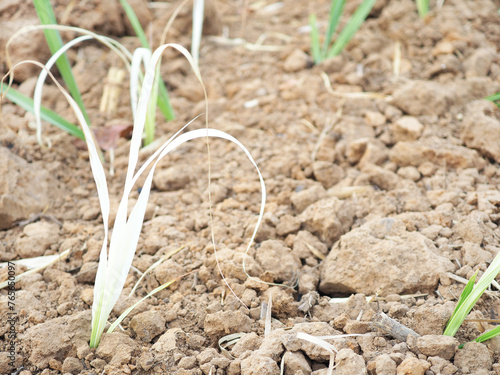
(328, 50)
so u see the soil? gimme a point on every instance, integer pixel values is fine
(381, 167)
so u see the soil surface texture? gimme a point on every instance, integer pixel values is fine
(382, 176)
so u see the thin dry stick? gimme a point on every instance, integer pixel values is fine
(392, 328)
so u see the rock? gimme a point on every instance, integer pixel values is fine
(410, 173)
(25, 46)
(187, 363)
(380, 177)
(257, 364)
(302, 243)
(423, 98)
(481, 128)
(328, 219)
(473, 356)
(302, 199)
(275, 257)
(25, 189)
(115, 348)
(295, 362)
(374, 118)
(375, 153)
(226, 322)
(384, 365)
(412, 366)
(287, 224)
(431, 320)
(217, 192)
(349, 363)
(272, 345)
(355, 149)
(168, 271)
(356, 326)
(173, 178)
(333, 64)
(407, 128)
(441, 366)
(249, 342)
(148, 325)
(473, 254)
(296, 61)
(25, 301)
(437, 345)
(37, 238)
(57, 338)
(72, 365)
(174, 338)
(313, 351)
(479, 63)
(436, 151)
(308, 282)
(327, 173)
(373, 256)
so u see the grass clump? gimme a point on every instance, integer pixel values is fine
(51, 30)
(115, 260)
(328, 49)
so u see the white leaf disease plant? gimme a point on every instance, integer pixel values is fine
(115, 262)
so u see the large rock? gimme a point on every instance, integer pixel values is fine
(57, 338)
(481, 129)
(436, 151)
(25, 188)
(382, 255)
(423, 98)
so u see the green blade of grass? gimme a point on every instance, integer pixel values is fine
(422, 7)
(336, 10)
(315, 51)
(489, 335)
(46, 114)
(495, 98)
(163, 100)
(134, 21)
(465, 293)
(47, 17)
(352, 26)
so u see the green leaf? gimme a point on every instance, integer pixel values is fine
(46, 114)
(454, 323)
(336, 10)
(489, 335)
(352, 26)
(315, 51)
(422, 7)
(134, 21)
(47, 17)
(164, 102)
(495, 98)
